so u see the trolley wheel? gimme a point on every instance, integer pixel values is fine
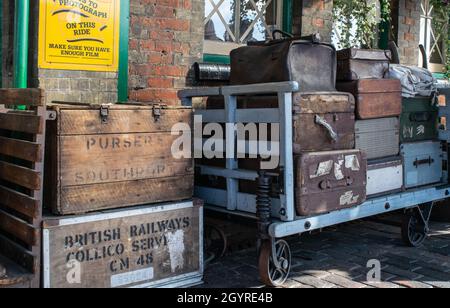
(215, 242)
(271, 274)
(414, 231)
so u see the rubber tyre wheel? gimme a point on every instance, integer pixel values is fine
(270, 276)
(410, 235)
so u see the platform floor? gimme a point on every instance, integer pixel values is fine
(337, 258)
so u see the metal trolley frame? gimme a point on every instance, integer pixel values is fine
(277, 218)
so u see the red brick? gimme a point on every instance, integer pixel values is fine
(410, 37)
(164, 83)
(318, 22)
(409, 21)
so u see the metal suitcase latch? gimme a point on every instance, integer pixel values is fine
(157, 112)
(104, 113)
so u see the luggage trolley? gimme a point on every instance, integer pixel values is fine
(277, 217)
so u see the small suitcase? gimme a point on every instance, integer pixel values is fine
(330, 181)
(375, 98)
(419, 120)
(355, 64)
(384, 176)
(423, 163)
(379, 138)
(312, 65)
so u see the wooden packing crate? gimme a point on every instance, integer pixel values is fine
(103, 157)
(22, 139)
(146, 246)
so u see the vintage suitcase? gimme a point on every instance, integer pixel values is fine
(375, 98)
(384, 176)
(103, 157)
(379, 138)
(419, 120)
(354, 64)
(329, 181)
(312, 65)
(146, 246)
(423, 163)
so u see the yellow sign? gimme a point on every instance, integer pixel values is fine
(79, 35)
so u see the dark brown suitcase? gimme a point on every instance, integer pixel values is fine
(375, 98)
(312, 65)
(330, 181)
(322, 121)
(354, 64)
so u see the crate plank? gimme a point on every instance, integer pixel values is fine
(86, 198)
(24, 123)
(18, 254)
(19, 202)
(22, 176)
(137, 120)
(28, 97)
(19, 228)
(21, 149)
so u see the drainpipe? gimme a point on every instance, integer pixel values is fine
(21, 24)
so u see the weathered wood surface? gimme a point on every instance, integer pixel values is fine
(28, 97)
(24, 123)
(19, 202)
(125, 160)
(19, 175)
(21, 149)
(12, 274)
(123, 252)
(19, 228)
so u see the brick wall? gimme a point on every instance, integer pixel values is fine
(166, 38)
(409, 31)
(313, 16)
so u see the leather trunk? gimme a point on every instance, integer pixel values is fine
(322, 121)
(419, 120)
(355, 64)
(330, 181)
(379, 138)
(375, 98)
(312, 65)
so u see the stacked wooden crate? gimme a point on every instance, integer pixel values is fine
(120, 197)
(22, 135)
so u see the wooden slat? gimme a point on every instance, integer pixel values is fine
(21, 149)
(28, 97)
(18, 254)
(20, 175)
(19, 202)
(31, 124)
(18, 228)
(15, 274)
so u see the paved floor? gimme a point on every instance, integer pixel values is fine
(338, 257)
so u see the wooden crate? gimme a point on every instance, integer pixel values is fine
(103, 157)
(22, 139)
(147, 246)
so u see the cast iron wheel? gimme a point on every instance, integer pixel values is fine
(413, 229)
(215, 242)
(269, 274)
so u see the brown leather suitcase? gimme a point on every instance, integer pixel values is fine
(330, 181)
(355, 64)
(312, 65)
(322, 121)
(375, 98)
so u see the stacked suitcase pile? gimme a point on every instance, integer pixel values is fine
(378, 110)
(346, 143)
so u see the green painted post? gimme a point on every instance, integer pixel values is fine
(22, 9)
(122, 86)
(384, 32)
(287, 15)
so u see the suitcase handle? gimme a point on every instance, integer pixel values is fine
(321, 121)
(326, 184)
(427, 161)
(420, 117)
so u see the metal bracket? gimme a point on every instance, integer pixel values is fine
(157, 112)
(50, 115)
(104, 113)
(425, 211)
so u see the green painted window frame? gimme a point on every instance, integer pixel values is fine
(122, 82)
(286, 25)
